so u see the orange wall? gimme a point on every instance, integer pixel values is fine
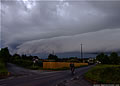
(55, 65)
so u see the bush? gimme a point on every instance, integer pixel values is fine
(3, 70)
(4, 54)
(104, 74)
(112, 59)
(23, 63)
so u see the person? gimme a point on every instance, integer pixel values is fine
(72, 67)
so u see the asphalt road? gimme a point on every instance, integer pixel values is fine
(42, 78)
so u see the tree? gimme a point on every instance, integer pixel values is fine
(114, 58)
(106, 60)
(4, 54)
(103, 58)
(73, 59)
(16, 56)
(100, 57)
(24, 57)
(53, 57)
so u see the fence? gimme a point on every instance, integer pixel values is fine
(57, 65)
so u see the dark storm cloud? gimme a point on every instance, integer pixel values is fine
(38, 26)
(112, 8)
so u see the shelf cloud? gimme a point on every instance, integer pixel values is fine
(33, 27)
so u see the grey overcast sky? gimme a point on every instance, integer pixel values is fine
(33, 27)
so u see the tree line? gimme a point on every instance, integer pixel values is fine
(113, 58)
(25, 60)
(16, 58)
(21, 60)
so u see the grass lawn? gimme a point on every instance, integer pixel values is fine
(34, 67)
(104, 74)
(3, 70)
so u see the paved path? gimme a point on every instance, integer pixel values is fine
(45, 78)
(16, 71)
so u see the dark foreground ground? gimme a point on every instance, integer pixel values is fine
(25, 77)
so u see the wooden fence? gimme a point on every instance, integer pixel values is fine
(57, 65)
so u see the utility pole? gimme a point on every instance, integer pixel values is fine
(81, 51)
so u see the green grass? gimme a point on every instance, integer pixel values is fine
(3, 70)
(104, 74)
(34, 67)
